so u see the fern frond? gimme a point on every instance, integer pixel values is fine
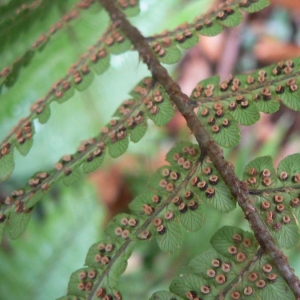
(276, 196)
(10, 73)
(174, 197)
(131, 8)
(240, 98)
(129, 121)
(235, 269)
(166, 46)
(14, 9)
(80, 77)
(17, 18)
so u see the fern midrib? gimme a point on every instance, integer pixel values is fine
(250, 89)
(284, 189)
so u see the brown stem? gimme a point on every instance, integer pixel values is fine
(238, 189)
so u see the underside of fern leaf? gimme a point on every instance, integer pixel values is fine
(239, 267)
(166, 46)
(235, 269)
(80, 75)
(174, 198)
(276, 196)
(148, 100)
(240, 99)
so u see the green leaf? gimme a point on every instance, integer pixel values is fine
(100, 65)
(119, 266)
(179, 148)
(73, 284)
(34, 198)
(164, 295)
(192, 220)
(224, 238)
(119, 147)
(276, 291)
(247, 116)
(268, 107)
(255, 168)
(227, 137)
(276, 207)
(138, 132)
(211, 30)
(44, 116)
(13, 75)
(164, 112)
(94, 250)
(131, 10)
(116, 222)
(186, 283)
(202, 262)
(94, 164)
(291, 100)
(213, 80)
(171, 239)
(172, 55)
(86, 81)
(287, 236)
(284, 232)
(25, 147)
(232, 20)
(188, 42)
(7, 164)
(73, 177)
(121, 46)
(222, 200)
(256, 6)
(18, 223)
(290, 165)
(15, 68)
(66, 94)
(2, 227)
(137, 203)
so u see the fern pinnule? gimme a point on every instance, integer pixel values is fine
(241, 98)
(155, 213)
(237, 268)
(10, 73)
(166, 46)
(276, 196)
(129, 122)
(79, 77)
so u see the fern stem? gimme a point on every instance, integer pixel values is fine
(238, 188)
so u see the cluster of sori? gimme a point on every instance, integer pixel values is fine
(228, 14)
(276, 195)
(237, 269)
(241, 98)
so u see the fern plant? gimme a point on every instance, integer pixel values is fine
(240, 264)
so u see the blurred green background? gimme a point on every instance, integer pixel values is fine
(68, 221)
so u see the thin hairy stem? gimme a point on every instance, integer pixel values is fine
(283, 189)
